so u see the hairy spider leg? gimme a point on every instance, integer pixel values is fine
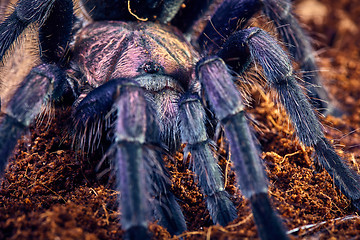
(50, 15)
(227, 104)
(43, 83)
(228, 17)
(137, 161)
(234, 14)
(132, 10)
(129, 139)
(164, 204)
(298, 43)
(277, 68)
(188, 16)
(193, 132)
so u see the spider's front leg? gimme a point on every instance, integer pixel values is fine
(130, 130)
(227, 104)
(141, 177)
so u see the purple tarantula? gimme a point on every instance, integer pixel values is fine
(137, 85)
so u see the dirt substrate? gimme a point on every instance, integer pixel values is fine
(51, 191)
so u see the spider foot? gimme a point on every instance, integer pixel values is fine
(265, 218)
(170, 215)
(10, 132)
(345, 179)
(137, 233)
(221, 208)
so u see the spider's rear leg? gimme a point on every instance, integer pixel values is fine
(188, 16)
(278, 71)
(131, 10)
(55, 19)
(193, 132)
(44, 83)
(227, 104)
(234, 14)
(141, 177)
(299, 44)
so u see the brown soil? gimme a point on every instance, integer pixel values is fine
(51, 191)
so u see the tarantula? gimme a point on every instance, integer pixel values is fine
(129, 71)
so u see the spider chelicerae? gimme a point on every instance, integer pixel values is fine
(136, 82)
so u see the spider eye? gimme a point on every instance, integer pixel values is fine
(151, 67)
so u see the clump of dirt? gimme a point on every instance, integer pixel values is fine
(51, 191)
